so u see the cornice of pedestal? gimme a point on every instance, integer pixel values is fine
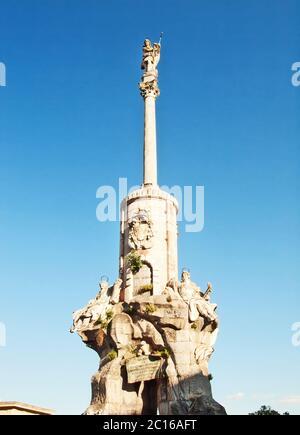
(153, 192)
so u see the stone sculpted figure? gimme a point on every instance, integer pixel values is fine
(151, 56)
(84, 318)
(143, 349)
(173, 284)
(81, 317)
(198, 305)
(205, 348)
(171, 290)
(115, 297)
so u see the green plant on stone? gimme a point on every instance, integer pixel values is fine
(132, 349)
(150, 309)
(145, 288)
(112, 355)
(109, 314)
(134, 262)
(164, 353)
(103, 322)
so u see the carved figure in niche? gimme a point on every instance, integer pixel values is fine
(140, 231)
(198, 305)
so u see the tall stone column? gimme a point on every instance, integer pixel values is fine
(150, 149)
(150, 91)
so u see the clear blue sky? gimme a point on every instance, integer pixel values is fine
(71, 120)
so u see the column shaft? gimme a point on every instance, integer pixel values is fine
(150, 157)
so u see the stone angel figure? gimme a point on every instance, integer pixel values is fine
(151, 56)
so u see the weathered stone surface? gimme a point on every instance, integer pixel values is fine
(150, 333)
(111, 393)
(182, 336)
(121, 330)
(167, 314)
(205, 405)
(144, 342)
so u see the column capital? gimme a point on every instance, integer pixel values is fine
(149, 88)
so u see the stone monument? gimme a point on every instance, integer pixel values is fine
(154, 334)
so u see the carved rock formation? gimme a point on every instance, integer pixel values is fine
(152, 355)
